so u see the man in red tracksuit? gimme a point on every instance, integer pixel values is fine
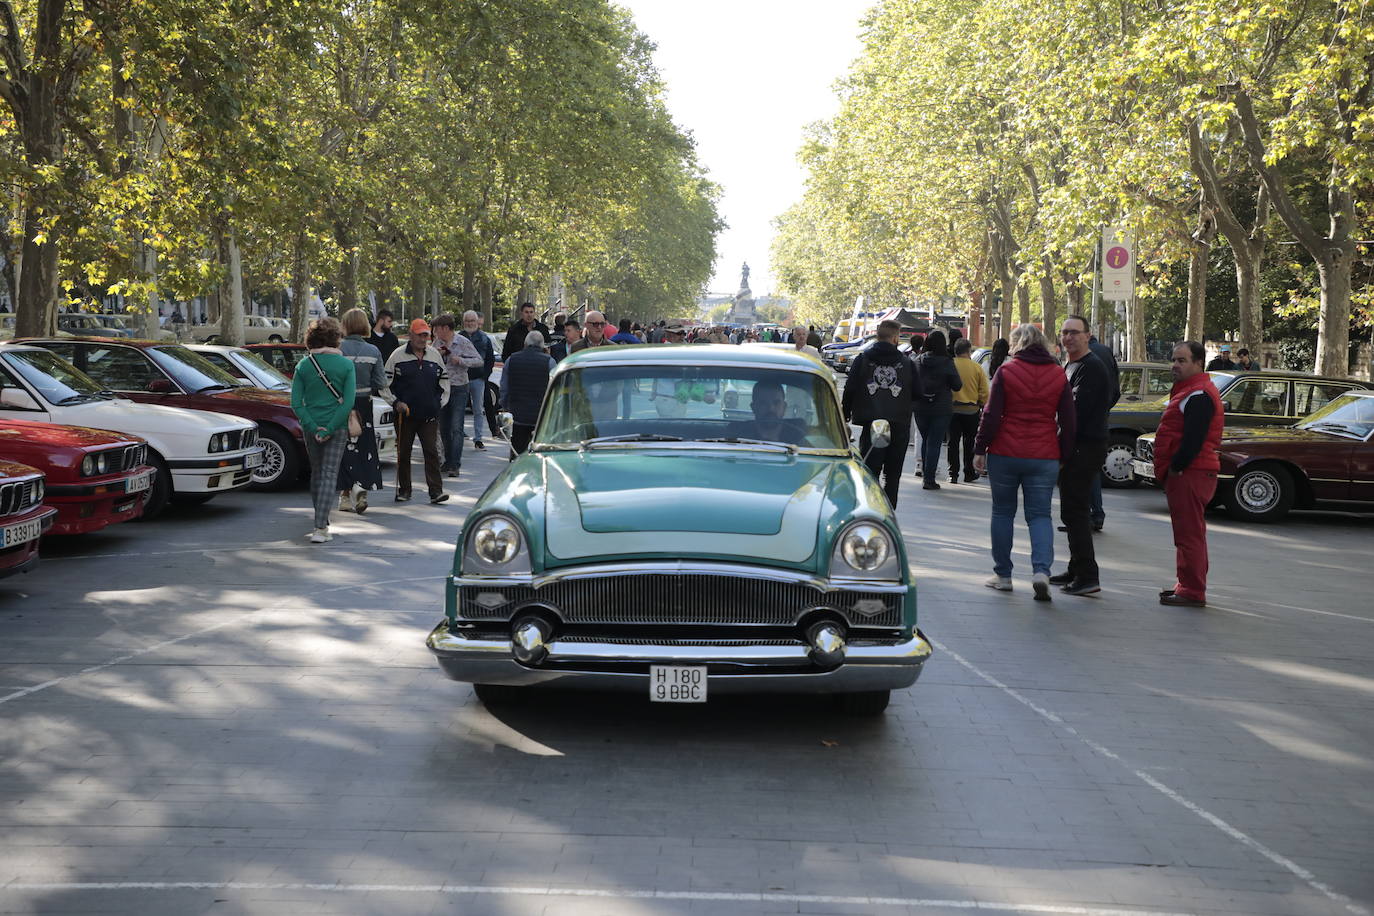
(1186, 462)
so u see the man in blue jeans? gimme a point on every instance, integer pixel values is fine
(477, 377)
(459, 357)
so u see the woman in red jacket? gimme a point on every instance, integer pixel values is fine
(1026, 431)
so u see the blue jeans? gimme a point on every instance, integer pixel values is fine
(933, 428)
(1035, 478)
(477, 397)
(451, 426)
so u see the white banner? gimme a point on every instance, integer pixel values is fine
(1118, 264)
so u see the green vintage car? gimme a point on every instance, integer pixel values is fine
(690, 521)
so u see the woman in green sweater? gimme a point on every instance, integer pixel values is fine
(322, 396)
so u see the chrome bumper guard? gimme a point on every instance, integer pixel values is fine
(737, 666)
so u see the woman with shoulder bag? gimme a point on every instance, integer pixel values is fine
(361, 469)
(322, 397)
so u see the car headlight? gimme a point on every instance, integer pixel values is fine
(102, 463)
(865, 549)
(39, 488)
(496, 545)
(88, 466)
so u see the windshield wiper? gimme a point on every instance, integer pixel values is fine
(630, 437)
(74, 398)
(741, 440)
(216, 387)
(1333, 426)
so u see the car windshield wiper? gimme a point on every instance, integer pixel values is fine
(1332, 426)
(741, 440)
(74, 398)
(629, 437)
(217, 387)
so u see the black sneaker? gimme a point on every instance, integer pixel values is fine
(930, 485)
(480, 445)
(441, 498)
(402, 497)
(1079, 587)
(1061, 579)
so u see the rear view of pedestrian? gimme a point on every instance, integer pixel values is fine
(361, 469)
(322, 396)
(937, 378)
(523, 383)
(968, 407)
(1028, 428)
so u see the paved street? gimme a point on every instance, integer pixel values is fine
(207, 714)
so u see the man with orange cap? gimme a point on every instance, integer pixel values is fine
(417, 387)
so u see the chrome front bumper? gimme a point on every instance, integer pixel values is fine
(743, 667)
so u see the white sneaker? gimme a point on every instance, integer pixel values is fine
(1041, 583)
(320, 536)
(1002, 583)
(345, 504)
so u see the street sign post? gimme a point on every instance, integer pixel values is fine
(1118, 265)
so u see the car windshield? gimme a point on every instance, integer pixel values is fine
(765, 407)
(191, 371)
(58, 381)
(1349, 414)
(113, 321)
(265, 376)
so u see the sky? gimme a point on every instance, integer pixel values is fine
(745, 77)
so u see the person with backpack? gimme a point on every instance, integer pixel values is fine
(881, 386)
(936, 379)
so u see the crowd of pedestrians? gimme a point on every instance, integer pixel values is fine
(1029, 424)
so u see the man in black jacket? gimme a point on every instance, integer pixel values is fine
(515, 335)
(880, 386)
(1108, 358)
(524, 381)
(1092, 398)
(382, 336)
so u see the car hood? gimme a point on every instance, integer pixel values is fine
(257, 395)
(1278, 434)
(148, 419)
(655, 502)
(57, 435)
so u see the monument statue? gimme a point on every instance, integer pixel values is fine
(742, 310)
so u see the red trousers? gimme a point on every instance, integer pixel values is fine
(1188, 493)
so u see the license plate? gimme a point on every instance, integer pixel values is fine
(23, 533)
(253, 460)
(677, 683)
(140, 483)
(1144, 469)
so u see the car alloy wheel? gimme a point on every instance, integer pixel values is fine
(1116, 467)
(1263, 493)
(273, 463)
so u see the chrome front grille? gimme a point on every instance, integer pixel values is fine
(19, 496)
(679, 598)
(1145, 449)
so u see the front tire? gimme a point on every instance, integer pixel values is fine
(1116, 467)
(281, 465)
(160, 492)
(1261, 493)
(867, 703)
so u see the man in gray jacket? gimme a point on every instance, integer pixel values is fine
(458, 355)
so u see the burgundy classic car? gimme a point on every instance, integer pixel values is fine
(23, 517)
(1325, 461)
(95, 477)
(167, 373)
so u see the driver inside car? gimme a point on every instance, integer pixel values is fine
(769, 404)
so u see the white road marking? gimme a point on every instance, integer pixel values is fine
(27, 691)
(1050, 909)
(1239, 836)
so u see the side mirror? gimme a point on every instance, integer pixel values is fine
(507, 422)
(17, 399)
(880, 433)
(160, 386)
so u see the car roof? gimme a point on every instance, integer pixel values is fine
(1286, 374)
(212, 348)
(697, 354)
(283, 344)
(142, 344)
